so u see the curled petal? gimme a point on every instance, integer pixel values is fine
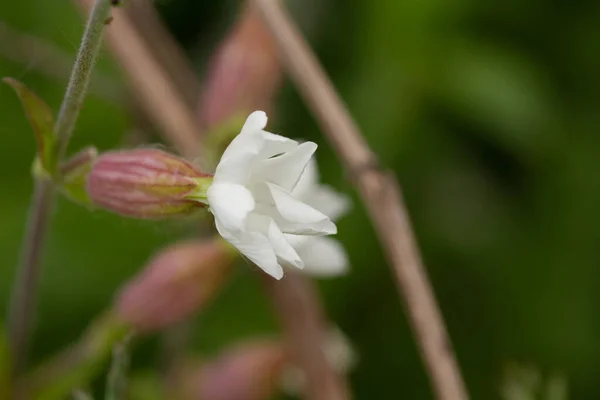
(282, 248)
(294, 216)
(255, 246)
(275, 144)
(308, 182)
(285, 170)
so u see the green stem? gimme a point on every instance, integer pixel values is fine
(117, 375)
(25, 286)
(82, 71)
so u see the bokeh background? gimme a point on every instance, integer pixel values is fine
(488, 112)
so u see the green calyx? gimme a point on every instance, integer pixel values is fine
(199, 193)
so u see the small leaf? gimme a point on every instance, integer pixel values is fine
(42, 121)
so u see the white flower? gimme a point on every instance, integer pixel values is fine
(252, 201)
(322, 256)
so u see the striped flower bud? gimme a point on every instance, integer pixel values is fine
(146, 183)
(176, 283)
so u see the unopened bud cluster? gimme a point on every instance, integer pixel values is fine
(146, 183)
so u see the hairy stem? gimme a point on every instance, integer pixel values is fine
(25, 287)
(23, 300)
(82, 71)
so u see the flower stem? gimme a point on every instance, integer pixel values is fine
(25, 286)
(82, 71)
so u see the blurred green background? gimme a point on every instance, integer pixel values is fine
(488, 112)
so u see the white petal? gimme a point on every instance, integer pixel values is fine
(275, 144)
(323, 257)
(230, 203)
(254, 246)
(296, 241)
(285, 170)
(255, 122)
(308, 182)
(236, 161)
(293, 216)
(330, 202)
(283, 250)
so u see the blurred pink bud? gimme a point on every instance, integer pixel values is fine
(249, 371)
(244, 74)
(177, 282)
(146, 183)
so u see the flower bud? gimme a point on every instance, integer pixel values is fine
(146, 183)
(244, 74)
(178, 281)
(248, 371)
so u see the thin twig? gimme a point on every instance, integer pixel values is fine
(381, 196)
(297, 304)
(167, 52)
(26, 284)
(150, 83)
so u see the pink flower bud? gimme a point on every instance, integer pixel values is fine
(145, 183)
(245, 72)
(178, 281)
(249, 371)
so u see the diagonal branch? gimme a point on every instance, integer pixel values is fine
(381, 196)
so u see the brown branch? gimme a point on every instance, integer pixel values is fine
(151, 85)
(381, 196)
(296, 302)
(166, 50)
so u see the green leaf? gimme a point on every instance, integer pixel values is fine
(42, 121)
